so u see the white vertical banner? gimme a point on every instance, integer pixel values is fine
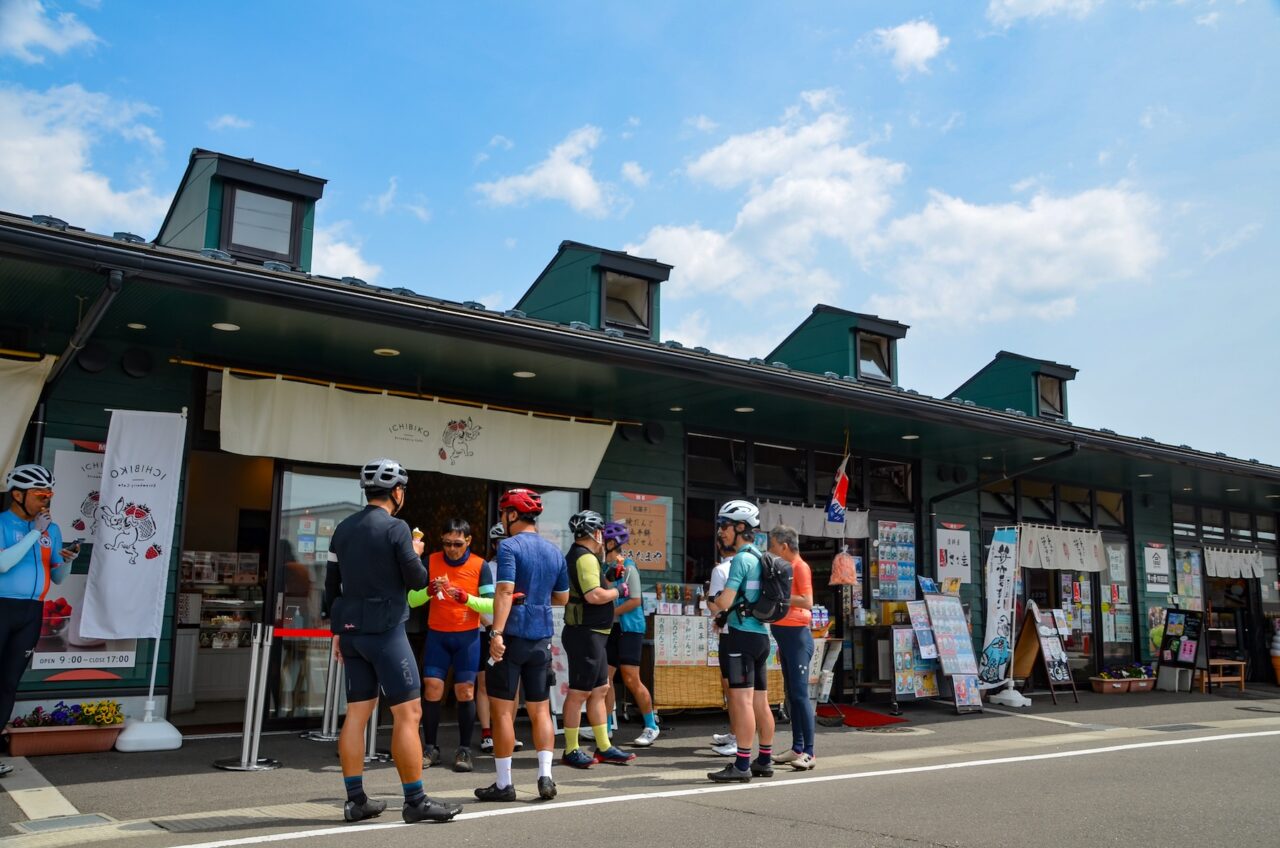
(20, 385)
(995, 664)
(137, 508)
(75, 509)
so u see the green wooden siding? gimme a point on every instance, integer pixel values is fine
(568, 290)
(190, 224)
(1006, 383)
(962, 509)
(79, 409)
(823, 342)
(308, 236)
(213, 226)
(637, 466)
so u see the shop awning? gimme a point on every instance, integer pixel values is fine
(812, 521)
(1060, 548)
(1232, 562)
(325, 424)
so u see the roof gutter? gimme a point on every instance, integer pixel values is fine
(197, 273)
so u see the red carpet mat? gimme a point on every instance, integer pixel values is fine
(856, 716)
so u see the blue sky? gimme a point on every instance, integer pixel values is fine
(1088, 181)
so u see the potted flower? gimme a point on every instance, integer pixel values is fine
(84, 728)
(1110, 682)
(1141, 677)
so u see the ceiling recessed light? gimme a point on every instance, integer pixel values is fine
(677, 409)
(1146, 474)
(1233, 490)
(523, 375)
(1273, 496)
(134, 325)
(910, 437)
(1036, 458)
(988, 457)
(744, 409)
(226, 327)
(386, 351)
(1186, 488)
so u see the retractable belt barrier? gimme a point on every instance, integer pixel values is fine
(253, 705)
(335, 678)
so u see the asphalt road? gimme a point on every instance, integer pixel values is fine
(1089, 775)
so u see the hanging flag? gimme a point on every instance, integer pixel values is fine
(839, 494)
(137, 506)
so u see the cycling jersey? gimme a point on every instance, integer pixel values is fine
(29, 579)
(536, 568)
(585, 574)
(372, 566)
(631, 621)
(471, 576)
(744, 580)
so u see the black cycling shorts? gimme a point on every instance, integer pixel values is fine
(380, 663)
(624, 648)
(588, 660)
(527, 663)
(744, 659)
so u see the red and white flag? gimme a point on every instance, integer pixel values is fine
(839, 494)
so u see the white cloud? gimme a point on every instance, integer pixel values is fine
(230, 122)
(1233, 240)
(913, 45)
(386, 202)
(564, 175)
(498, 142)
(1209, 20)
(958, 261)
(634, 174)
(46, 162)
(1153, 115)
(26, 30)
(336, 252)
(509, 243)
(1006, 13)
(701, 123)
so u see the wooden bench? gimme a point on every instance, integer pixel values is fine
(1222, 671)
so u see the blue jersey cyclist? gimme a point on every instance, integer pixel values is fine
(32, 556)
(374, 562)
(626, 639)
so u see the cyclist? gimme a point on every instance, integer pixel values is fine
(496, 534)
(744, 647)
(453, 638)
(795, 649)
(627, 636)
(373, 562)
(588, 617)
(520, 644)
(31, 557)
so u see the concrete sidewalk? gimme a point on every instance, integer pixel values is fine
(180, 792)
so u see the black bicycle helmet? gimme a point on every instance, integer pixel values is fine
(586, 523)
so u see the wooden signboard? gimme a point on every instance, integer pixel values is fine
(1038, 637)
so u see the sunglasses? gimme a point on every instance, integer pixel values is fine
(453, 544)
(41, 493)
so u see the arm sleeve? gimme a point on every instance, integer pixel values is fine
(13, 554)
(633, 582)
(418, 597)
(588, 572)
(411, 567)
(506, 565)
(485, 588)
(484, 606)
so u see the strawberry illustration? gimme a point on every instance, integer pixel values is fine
(443, 455)
(154, 551)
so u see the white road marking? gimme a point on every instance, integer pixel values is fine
(1035, 717)
(350, 832)
(35, 796)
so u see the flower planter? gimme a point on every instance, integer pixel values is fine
(1110, 685)
(1142, 684)
(71, 739)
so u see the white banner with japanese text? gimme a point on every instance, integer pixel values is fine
(1000, 572)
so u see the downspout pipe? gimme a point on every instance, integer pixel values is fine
(1071, 451)
(89, 323)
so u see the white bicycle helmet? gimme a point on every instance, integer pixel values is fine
(383, 474)
(28, 477)
(497, 531)
(744, 511)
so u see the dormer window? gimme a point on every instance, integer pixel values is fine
(258, 225)
(1050, 391)
(627, 303)
(875, 357)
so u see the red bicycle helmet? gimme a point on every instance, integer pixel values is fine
(523, 501)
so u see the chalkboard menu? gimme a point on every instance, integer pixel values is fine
(951, 632)
(1183, 635)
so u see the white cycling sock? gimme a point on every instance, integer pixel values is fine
(544, 763)
(504, 771)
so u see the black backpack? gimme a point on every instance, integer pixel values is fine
(775, 588)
